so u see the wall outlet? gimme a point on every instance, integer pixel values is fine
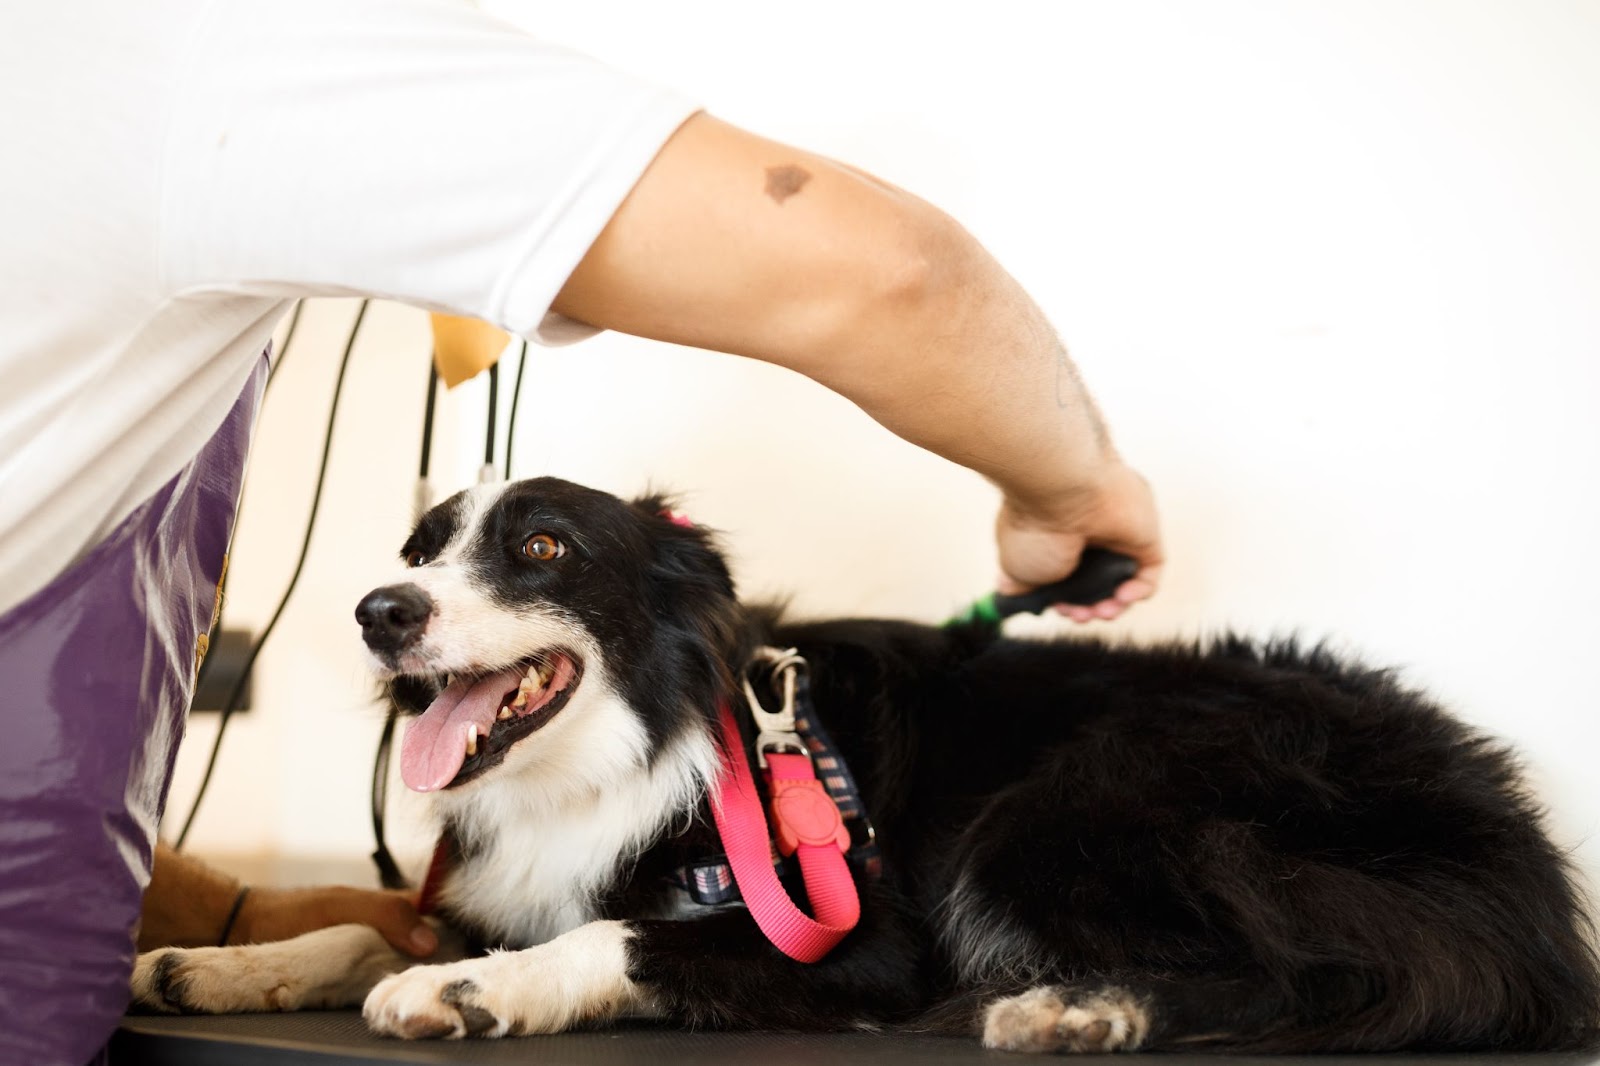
(224, 661)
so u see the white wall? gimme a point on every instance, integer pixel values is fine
(1331, 270)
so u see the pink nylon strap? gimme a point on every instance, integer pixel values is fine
(736, 806)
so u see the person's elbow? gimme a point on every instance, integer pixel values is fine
(911, 278)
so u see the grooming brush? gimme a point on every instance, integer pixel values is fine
(1098, 574)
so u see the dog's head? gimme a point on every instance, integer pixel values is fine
(544, 626)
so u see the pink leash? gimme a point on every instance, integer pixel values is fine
(807, 821)
(808, 824)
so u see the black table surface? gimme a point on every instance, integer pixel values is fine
(338, 1038)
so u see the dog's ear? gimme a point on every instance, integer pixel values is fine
(687, 558)
(692, 590)
(654, 503)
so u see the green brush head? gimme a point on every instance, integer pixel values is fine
(982, 609)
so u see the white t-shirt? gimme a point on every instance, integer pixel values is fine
(173, 173)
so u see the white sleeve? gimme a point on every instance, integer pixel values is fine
(413, 150)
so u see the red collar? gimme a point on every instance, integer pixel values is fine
(444, 855)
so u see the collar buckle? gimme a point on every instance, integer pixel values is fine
(775, 730)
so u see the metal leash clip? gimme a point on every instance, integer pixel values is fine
(775, 730)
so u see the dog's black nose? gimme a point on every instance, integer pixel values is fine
(393, 616)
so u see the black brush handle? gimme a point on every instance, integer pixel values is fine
(1098, 575)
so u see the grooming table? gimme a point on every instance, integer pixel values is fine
(338, 1038)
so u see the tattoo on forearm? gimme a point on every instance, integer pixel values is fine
(785, 180)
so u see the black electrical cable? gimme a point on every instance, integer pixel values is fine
(494, 405)
(389, 875)
(232, 701)
(427, 420)
(516, 398)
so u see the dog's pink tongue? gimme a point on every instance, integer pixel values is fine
(436, 744)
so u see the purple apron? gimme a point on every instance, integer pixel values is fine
(96, 672)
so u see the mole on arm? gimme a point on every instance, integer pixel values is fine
(785, 180)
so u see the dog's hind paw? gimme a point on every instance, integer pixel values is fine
(1054, 1018)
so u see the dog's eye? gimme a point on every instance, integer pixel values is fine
(543, 547)
(415, 558)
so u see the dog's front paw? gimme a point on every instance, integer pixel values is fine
(331, 967)
(212, 981)
(435, 1001)
(578, 977)
(159, 984)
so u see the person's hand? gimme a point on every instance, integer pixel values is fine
(1041, 542)
(270, 914)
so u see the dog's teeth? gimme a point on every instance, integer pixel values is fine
(472, 738)
(520, 700)
(505, 712)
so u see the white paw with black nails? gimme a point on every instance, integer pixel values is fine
(576, 978)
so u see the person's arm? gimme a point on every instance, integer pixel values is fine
(187, 905)
(738, 244)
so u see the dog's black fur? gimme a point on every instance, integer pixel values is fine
(1269, 848)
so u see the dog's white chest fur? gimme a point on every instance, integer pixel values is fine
(534, 881)
(534, 871)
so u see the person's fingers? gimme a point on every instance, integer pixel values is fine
(1134, 590)
(1032, 555)
(422, 941)
(1128, 593)
(1007, 585)
(394, 916)
(1039, 547)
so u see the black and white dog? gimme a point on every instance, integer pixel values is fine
(1084, 848)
